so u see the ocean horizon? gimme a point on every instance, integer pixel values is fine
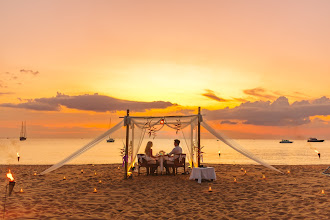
(41, 151)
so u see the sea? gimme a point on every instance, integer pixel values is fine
(51, 151)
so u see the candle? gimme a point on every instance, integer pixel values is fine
(95, 191)
(210, 188)
(64, 178)
(21, 191)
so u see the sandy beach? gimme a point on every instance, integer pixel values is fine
(294, 195)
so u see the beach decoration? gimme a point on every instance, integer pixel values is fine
(82, 171)
(288, 172)
(18, 157)
(64, 178)
(95, 190)
(318, 153)
(219, 153)
(35, 173)
(21, 190)
(322, 192)
(161, 122)
(94, 173)
(11, 182)
(235, 181)
(263, 177)
(118, 168)
(130, 175)
(242, 169)
(244, 172)
(210, 188)
(100, 181)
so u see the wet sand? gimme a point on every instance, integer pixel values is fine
(294, 195)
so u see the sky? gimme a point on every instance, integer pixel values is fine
(258, 69)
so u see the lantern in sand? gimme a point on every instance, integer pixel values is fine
(18, 157)
(322, 192)
(82, 171)
(95, 190)
(288, 172)
(35, 173)
(235, 181)
(11, 182)
(21, 190)
(100, 181)
(210, 188)
(244, 172)
(64, 178)
(94, 173)
(263, 177)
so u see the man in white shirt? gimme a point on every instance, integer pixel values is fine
(177, 149)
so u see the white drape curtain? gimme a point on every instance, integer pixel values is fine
(84, 148)
(236, 146)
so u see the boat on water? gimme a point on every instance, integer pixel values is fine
(110, 139)
(314, 140)
(286, 141)
(22, 136)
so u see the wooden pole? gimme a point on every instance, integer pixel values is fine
(127, 143)
(199, 138)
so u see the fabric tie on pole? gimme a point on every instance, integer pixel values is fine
(84, 148)
(237, 147)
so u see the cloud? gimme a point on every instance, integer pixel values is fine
(29, 72)
(95, 102)
(259, 92)
(228, 122)
(6, 93)
(277, 113)
(210, 94)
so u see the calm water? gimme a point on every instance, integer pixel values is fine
(51, 151)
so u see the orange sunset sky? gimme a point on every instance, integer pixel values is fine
(258, 69)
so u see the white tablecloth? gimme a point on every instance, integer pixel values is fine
(202, 173)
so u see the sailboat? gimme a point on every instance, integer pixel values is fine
(23, 132)
(110, 139)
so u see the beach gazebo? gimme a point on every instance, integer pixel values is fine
(139, 126)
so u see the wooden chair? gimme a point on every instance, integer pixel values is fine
(142, 162)
(179, 161)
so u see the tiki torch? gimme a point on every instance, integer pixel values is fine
(11, 182)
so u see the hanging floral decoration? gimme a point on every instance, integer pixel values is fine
(152, 129)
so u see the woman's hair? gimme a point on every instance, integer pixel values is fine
(148, 147)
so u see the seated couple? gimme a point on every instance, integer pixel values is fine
(153, 160)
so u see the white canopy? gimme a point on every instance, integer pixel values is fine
(140, 126)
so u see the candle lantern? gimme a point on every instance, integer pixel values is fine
(82, 171)
(95, 191)
(210, 188)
